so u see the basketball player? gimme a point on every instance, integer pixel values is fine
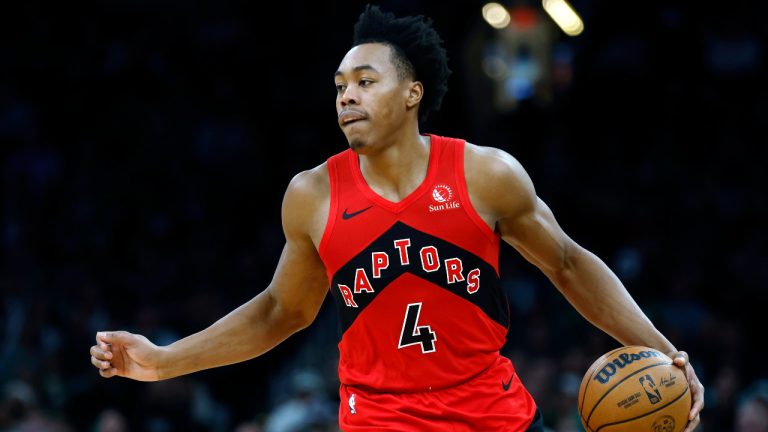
(406, 229)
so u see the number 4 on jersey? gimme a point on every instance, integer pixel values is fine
(413, 334)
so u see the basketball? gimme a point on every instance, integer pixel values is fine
(634, 389)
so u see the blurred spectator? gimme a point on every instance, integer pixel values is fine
(20, 412)
(752, 409)
(307, 410)
(249, 426)
(111, 420)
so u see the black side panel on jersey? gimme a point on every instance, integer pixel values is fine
(488, 297)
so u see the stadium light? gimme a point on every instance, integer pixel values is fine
(496, 15)
(563, 14)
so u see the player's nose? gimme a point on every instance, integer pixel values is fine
(350, 96)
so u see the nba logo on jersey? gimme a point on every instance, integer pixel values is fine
(352, 404)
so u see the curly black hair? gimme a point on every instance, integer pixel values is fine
(417, 51)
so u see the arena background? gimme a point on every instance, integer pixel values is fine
(145, 147)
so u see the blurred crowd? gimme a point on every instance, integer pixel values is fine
(145, 148)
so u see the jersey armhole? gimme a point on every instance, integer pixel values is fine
(333, 207)
(461, 181)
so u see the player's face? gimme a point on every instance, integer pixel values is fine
(370, 98)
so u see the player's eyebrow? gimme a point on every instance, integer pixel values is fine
(358, 69)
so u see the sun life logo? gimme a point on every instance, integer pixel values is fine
(442, 193)
(443, 196)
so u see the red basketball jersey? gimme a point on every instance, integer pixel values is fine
(416, 282)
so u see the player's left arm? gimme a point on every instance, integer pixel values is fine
(502, 191)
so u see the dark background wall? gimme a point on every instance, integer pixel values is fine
(145, 148)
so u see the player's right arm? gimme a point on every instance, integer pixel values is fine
(290, 303)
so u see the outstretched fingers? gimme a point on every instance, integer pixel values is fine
(682, 360)
(692, 424)
(697, 390)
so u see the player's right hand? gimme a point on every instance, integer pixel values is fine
(127, 355)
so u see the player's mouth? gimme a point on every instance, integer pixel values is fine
(349, 116)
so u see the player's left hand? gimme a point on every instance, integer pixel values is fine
(680, 359)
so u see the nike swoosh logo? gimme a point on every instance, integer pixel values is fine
(346, 215)
(506, 385)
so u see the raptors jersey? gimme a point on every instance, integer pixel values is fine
(416, 282)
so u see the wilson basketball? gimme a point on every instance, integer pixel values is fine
(634, 389)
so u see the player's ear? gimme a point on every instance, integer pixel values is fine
(415, 93)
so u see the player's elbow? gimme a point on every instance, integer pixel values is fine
(566, 264)
(301, 318)
(291, 316)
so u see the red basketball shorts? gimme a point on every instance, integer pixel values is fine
(494, 401)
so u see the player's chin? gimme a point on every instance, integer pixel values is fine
(357, 141)
(358, 127)
(358, 145)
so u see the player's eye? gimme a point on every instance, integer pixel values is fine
(365, 82)
(340, 87)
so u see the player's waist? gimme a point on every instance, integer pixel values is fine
(429, 379)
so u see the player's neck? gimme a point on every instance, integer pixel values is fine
(399, 168)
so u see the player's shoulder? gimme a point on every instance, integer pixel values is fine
(492, 163)
(496, 181)
(306, 198)
(310, 184)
